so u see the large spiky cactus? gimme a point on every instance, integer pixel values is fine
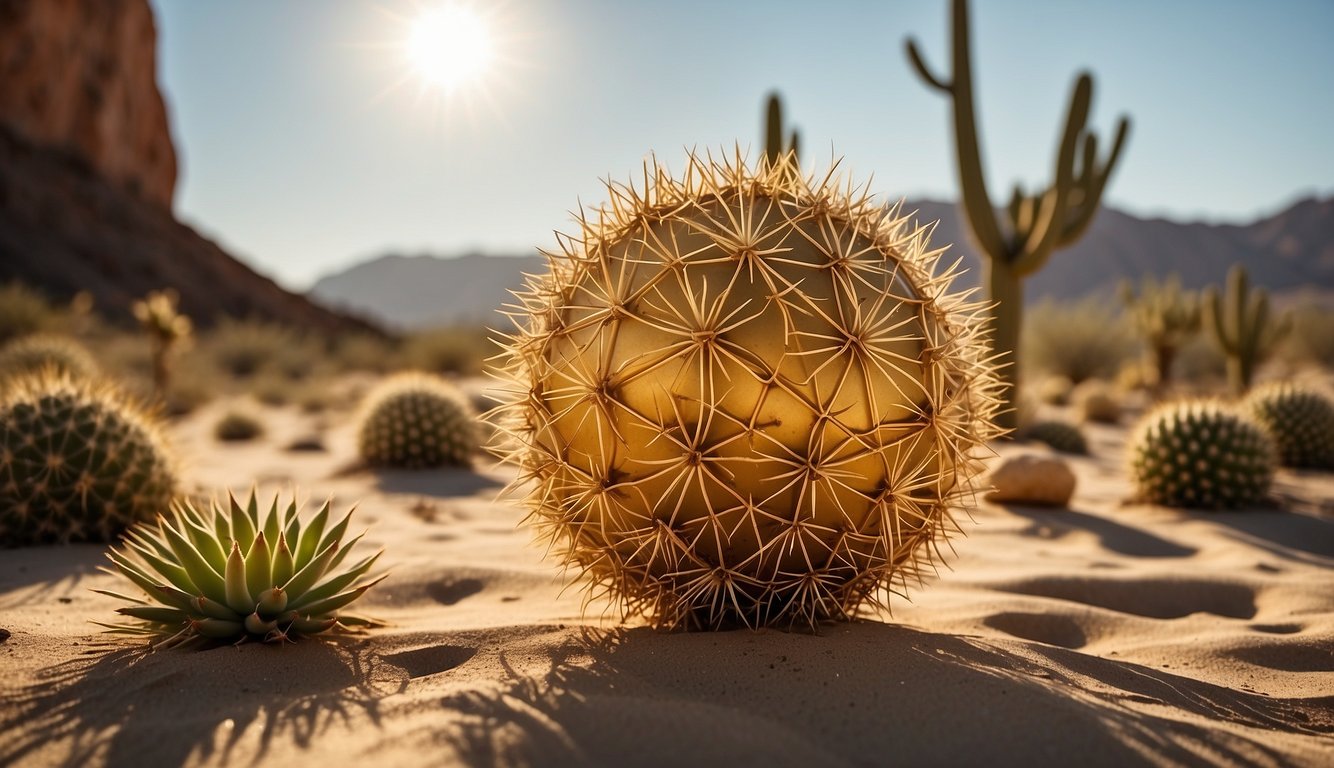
(416, 420)
(232, 573)
(774, 131)
(1301, 421)
(745, 397)
(1242, 327)
(1167, 317)
(79, 461)
(1037, 224)
(166, 327)
(1201, 454)
(30, 354)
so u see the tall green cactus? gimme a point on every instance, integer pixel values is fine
(1242, 326)
(774, 130)
(1167, 317)
(1038, 224)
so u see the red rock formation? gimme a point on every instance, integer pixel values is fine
(81, 76)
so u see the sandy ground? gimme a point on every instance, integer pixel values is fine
(1101, 634)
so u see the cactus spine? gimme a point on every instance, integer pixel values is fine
(1167, 316)
(1039, 224)
(774, 148)
(1242, 327)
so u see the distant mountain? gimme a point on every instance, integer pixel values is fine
(1289, 252)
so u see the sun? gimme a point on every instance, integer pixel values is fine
(449, 46)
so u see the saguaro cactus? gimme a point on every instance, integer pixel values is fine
(774, 130)
(1037, 224)
(1242, 326)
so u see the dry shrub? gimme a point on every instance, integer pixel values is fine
(1080, 341)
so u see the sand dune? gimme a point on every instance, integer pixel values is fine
(1103, 634)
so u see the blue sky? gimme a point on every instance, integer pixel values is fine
(307, 143)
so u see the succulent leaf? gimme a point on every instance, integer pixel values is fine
(259, 589)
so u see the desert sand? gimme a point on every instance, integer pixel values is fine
(1100, 634)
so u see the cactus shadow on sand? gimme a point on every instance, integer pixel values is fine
(1054, 522)
(121, 705)
(857, 694)
(441, 483)
(52, 578)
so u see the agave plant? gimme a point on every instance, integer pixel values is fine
(230, 574)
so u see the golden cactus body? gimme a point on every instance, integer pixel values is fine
(744, 398)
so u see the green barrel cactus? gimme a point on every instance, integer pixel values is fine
(1059, 435)
(1300, 420)
(746, 396)
(415, 420)
(1201, 454)
(30, 354)
(234, 573)
(78, 462)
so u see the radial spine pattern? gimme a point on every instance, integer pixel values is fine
(746, 397)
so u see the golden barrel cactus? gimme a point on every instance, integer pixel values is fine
(744, 397)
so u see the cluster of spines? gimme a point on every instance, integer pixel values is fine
(678, 574)
(1301, 421)
(234, 574)
(1201, 454)
(79, 461)
(416, 420)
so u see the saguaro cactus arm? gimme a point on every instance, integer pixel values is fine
(773, 131)
(1241, 326)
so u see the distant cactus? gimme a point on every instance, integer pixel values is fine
(30, 354)
(774, 146)
(1242, 327)
(1039, 224)
(1300, 420)
(1166, 316)
(78, 462)
(1201, 454)
(167, 329)
(415, 420)
(237, 427)
(1059, 435)
(1055, 390)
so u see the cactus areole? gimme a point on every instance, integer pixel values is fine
(745, 397)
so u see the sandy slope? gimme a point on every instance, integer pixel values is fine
(1103, 634)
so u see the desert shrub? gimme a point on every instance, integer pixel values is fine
(1096, 401)
(460, 350)
(1312, 336)
(235, 426)
(1079, 341)
(244, 349)
(32, 353)
(1201, 364)
(24, 311)
(365, 352)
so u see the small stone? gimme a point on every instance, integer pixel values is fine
(1033, 479)
(4, 635)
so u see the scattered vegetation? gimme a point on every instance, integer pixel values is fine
(1059, 435)
(458, 350)
(235, 426)
(1166, 317)
(1080, 341)
(167, 330)
(24, 311)
(62, 354)
(232, 573)
(1096, 401)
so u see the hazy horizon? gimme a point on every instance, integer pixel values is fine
(302, 156)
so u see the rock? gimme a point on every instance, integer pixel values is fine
(81, 77)
(4, 635)
(1033, 479)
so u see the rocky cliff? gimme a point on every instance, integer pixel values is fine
(81, 76)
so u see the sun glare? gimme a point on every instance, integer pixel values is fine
(449, 46)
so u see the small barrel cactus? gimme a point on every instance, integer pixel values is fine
(1096, 401)
(416, 420)
(78, 462)
(235, 426)
(1300, 420)
(233, 573)
(1059, 435)
(746, 397)
(1201, 454)
(30, 354)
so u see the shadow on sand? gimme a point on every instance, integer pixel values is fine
(865, 693)
(129, 706)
